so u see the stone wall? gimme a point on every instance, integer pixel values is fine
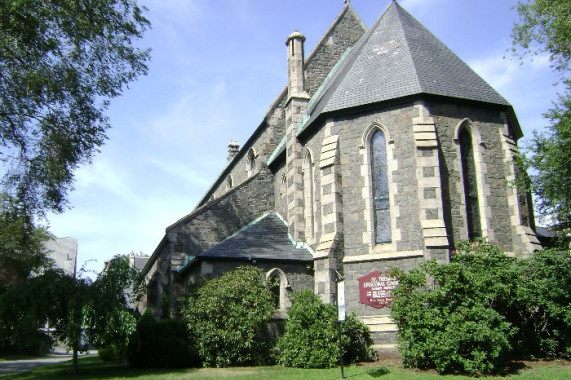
(344, 32)
(204, 228)
(494, 211)
(221, 217)
(299, 275)
(426, 194)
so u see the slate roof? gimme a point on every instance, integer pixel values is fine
(396, 58)
(63, 251)
(266, 238)
(140, 262)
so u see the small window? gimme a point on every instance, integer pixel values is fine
(251, 162)
(274, 285)
(308, 194)
(380, 182)
(277, 283)
(229, 183)
(470, 184)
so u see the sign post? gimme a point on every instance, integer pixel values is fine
(340, 315)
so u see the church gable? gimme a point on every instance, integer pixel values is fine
(342, 34)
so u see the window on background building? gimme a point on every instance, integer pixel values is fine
(380, 182)
(470, 184)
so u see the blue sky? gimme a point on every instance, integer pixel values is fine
(216, 67)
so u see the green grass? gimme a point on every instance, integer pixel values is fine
(94, 368)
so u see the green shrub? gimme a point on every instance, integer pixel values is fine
(453, 324)
(161, 344)
(228, 316)
(311, 335)
(483, 309)
(357, 342)
(544, 310)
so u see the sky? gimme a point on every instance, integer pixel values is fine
(216, 67)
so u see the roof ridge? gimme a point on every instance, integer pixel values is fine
(399, 10)
(204, 206)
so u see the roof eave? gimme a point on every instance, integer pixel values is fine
(319, 118)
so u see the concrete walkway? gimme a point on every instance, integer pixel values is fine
(17, 366)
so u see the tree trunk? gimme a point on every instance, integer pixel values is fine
(74, 361)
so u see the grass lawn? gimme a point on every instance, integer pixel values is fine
(94, 368)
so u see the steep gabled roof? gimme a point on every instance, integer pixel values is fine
(266, 238)
(398, 57)
(63, 251)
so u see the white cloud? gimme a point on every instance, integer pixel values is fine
(104, 175)
(502, 72)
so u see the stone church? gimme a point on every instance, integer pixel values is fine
(384, 150)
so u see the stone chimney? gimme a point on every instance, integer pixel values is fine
(233, 149)
(295, 60)
(296, 108)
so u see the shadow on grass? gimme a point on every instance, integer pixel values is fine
(90, 368)
(514, 368)
(378, 372)
(372, 372)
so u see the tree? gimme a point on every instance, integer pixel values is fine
(111, 318)
(76, 309)
(549, 154)
(97, 311)
(544, 26)
(22, 249)
(61, 61)
(26, 306)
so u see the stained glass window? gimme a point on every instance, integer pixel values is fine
(470, 185)
(380, 181)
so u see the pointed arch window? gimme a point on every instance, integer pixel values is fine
(251, 162)
(308, 194)
(380, 182)
(277, 283)
(469, 176)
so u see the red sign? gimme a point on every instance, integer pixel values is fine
(375, 289)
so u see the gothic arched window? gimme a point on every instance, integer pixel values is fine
(277, 284)
(251, 162)
(470, 184)
(308, 195)
(380, 182)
